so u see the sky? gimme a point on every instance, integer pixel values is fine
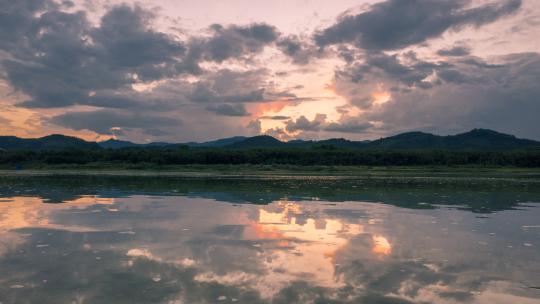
(185, 70)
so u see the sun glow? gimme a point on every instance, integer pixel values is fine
(381, 245)
(293, 243)
(380, 96)
(24, 212)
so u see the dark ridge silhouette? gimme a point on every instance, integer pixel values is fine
(261, 141)
(51, 142)
(117, 144)
(477, 139)
(218, 143)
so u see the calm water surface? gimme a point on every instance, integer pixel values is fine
(148, 240)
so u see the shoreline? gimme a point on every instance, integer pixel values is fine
(419, 174)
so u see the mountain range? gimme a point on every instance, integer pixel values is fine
(476, 139)
(51, 142)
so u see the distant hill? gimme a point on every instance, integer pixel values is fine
(261, 141)
(121, 144)
(335, 142)
(409, 140)
(477, 139)
(488, 139)
(117, 144)
(51, 142)
(217, 143)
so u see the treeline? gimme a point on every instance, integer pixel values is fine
(296, 156)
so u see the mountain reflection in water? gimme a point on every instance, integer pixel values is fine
(222, 241)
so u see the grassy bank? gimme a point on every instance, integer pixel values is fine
(464, 172)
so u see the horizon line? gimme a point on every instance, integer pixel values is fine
(261, 135)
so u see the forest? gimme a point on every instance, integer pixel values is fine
(325, 155)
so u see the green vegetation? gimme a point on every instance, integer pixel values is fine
(317, 156)
(477, 140)
(478, 148)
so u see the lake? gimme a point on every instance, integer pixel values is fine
(91, 239)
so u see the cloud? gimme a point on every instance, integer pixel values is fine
(16, 19)
(56, 55)
(319, 123)
(61, 59)
(131, 75)
(348, 126)
(301, 52)
(107, 121)
(410, 74)
(224, 93)
(204, 92)
(228, 109)
(462, 96)
(455, 51)
(230, 86)
(275, 117)
(364, 80)
(303, 124)
(4, 121)
(254, 126)
(377, 73)
(395, 24)
(453, 75)
(126, 40)
(237, 41)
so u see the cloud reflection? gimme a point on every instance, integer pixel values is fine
(381, 245)
(178, 249)
(305, 247)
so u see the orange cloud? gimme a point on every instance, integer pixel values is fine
(381, 245)
(266, 108)
(380, 96)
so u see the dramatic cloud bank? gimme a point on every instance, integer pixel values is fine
(395, 24)
(379, 69)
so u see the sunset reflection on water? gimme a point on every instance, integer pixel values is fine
(303, 246)
(25, 212)
(185, 249)
(381, 245)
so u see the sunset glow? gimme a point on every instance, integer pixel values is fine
(381, 245)
(380, 97)
(162, 71)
